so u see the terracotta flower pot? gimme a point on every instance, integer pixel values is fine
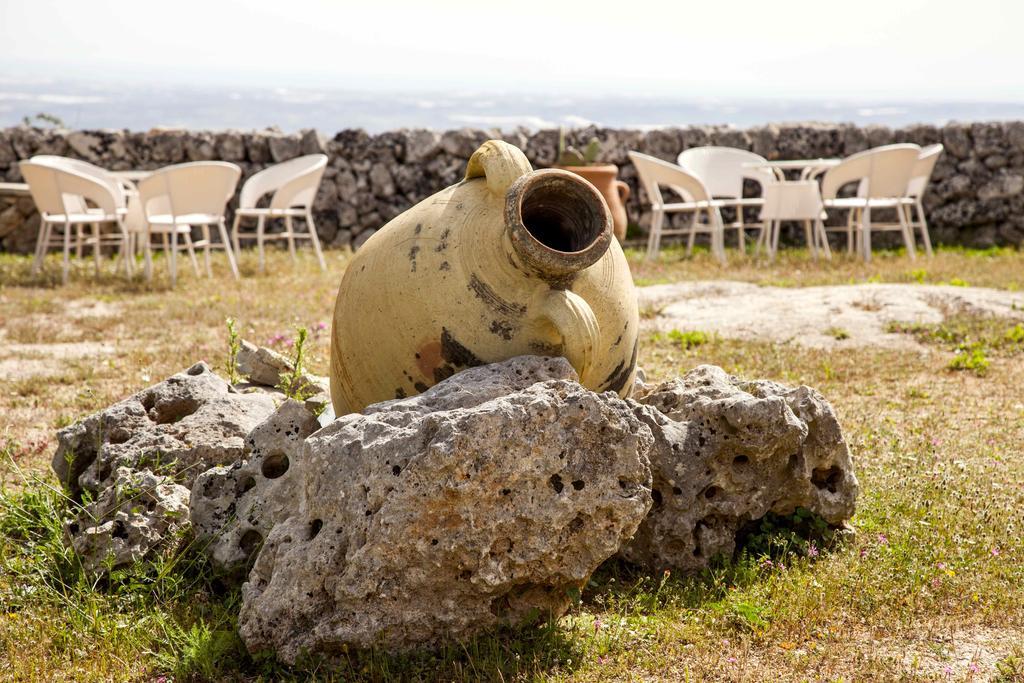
(508, 262)
(605, 177)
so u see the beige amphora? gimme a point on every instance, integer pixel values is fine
(509, 261)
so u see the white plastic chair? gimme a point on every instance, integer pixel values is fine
(77, 205)
(175, 198)
(62, 197)
(294, 184)
(920, 176)
(654, 173)
(882, 174)
(723, 170)
(798, 200)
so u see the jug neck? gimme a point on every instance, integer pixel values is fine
(557, 224)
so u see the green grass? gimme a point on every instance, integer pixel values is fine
(938, 555)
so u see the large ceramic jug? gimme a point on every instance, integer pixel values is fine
(508, 262)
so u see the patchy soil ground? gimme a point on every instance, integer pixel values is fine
(829, 316)
(931, 589)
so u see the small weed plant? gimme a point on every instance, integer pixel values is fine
(971, 358)
(293, 383)
(689, 340)
(234, 344)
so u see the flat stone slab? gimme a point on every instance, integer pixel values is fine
(810, 315)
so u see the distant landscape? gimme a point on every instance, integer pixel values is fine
(144, 106)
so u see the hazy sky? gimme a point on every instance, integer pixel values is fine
(908, 49)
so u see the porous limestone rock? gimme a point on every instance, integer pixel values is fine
(265, 367)
(233, 507)
(180, 427)
(726, 453)
(260, 364)
(487, 500)
(137, 513)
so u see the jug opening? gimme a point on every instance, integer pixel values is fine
(558, 222)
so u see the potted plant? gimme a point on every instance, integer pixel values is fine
(602, 176)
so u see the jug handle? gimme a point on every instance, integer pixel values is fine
(575, 321)
(500, 163)
(623, 190)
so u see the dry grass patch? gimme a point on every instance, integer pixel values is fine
(935, 573)
(1001, 268)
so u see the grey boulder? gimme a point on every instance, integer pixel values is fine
(136, 514)
(487, 500)
(726, 453)
(180, 427)
(266, 368)
(234, 507)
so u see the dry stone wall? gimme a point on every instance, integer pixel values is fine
(976, 198)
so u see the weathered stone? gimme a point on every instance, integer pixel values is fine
(10, 220)
(376, 177)
(261, 365)
(421, 145)
(284, 147)
(166, 146)
(484, 501)
(85, 145)
(230, 146)
(136, 514)
(1002, 187)
(179, 427)
(312, 142)
(266, 367)
(200, 146)
(234, 507)
(726, 453)
(380, 181)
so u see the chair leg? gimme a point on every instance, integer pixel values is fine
(147, 250)
(776, 233)
(174, 257)
(290, 228)
(67, 252)
(42, 242)
(849, 229)
(693, 232)
(126, 249)
(654, 239)
(79, 240)
(819, 227)
(315, 239)
(925, 237)
(227, 248)
(234, 234)
(206, 251)
(908, 234)
(96, 246)
(259, 241)
(865, 234)
(190, 246)
(717, 234)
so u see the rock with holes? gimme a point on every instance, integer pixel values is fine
(265, 367)
(726, 453)
(137, 514)
(233, 507)
(487, 500)
(180, 427)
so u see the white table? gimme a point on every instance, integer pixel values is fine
(807, 167)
